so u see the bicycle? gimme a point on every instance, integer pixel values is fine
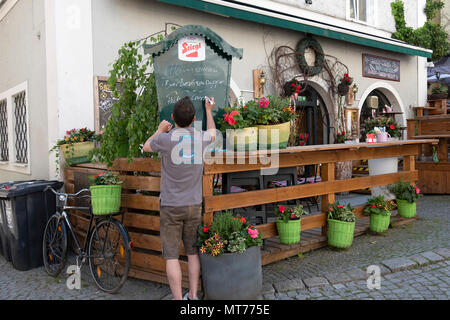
(107, 245)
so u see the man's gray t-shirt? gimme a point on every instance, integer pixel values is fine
(181, 152)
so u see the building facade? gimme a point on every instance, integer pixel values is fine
(52, 50)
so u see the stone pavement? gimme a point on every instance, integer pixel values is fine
(326, 273)
(424, 276)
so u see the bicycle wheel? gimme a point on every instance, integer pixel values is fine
(54, 245)
(109, 255)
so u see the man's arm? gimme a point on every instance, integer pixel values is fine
(210, 125)
(164, 126)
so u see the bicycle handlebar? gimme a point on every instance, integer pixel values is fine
(66, 194)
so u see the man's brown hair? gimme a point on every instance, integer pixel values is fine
(183, 112)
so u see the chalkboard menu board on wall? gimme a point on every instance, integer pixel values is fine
(380, 67)
(176, 79)
(192, 61)
(104, 101)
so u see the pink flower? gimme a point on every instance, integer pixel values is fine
(263, 102)
(293, 216)
(281, 208)
(253, 233)
(417, 190)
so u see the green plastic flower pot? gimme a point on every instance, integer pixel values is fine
(406, 209)
(77, 152)
(105, 199)
(379, 223)
(340, 233)
(245, 139)
(272, 137)
(289, 232)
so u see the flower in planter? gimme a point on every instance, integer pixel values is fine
(275, 110)
(377, 205)
(264, 103)
(341, 137)
(302, 139)
(227, 234)
(347, 79)
(289, 214)
(405, 191)
(291, 87)
(339, 212)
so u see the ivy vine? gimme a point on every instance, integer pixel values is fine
(135, 115)
(431, 36)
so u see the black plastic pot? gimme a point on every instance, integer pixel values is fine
(232, 276)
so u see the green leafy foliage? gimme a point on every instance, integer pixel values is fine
(104, 179)
(274, 110)
(377, 205)
(431, 36)
(392, 127)
(336, 211)
(405, 191)
(135, 116)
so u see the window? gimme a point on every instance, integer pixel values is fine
(358, 10)
(14, 130)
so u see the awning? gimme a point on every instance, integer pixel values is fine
(264, 15)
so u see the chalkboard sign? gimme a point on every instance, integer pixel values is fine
(176, 79)
(380, 68)
(192, 61)
(104, 101)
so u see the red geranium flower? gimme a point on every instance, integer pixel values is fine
(281, 208)
(392, 127)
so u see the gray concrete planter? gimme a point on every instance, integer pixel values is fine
(232, 276)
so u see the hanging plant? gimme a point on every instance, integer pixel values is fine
(303, 44)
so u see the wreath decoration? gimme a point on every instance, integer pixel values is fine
(319, 61)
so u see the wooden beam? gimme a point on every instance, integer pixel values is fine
(251, 198)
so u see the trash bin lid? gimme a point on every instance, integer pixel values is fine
(17, 188)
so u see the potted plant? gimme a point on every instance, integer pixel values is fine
(76, 146)
(439, 92)
(341, 225)
(406, 196)
(106, 191)
(274, 122)
(239, 125)
(379, 211)
(230, 258)
(289, 224)
(344, 85)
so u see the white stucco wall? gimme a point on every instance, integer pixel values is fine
(22, 58)
(69, 68)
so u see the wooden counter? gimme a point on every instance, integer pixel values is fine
(141, 188)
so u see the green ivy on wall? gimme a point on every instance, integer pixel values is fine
(430, 36)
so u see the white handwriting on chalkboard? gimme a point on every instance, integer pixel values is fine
(176, 70)
(181, 83)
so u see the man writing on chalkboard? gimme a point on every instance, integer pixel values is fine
(181, 151)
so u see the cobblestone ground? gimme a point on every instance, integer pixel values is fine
(431, 281)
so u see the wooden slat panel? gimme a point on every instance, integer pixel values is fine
(150, 242)
(141, 183)
(154, 262)
(138, 201)
(251, 198)
(141, 221)
(138, 164)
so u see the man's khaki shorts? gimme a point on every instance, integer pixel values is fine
(176, 224)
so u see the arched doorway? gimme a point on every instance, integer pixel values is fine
(313, 117)
(387, 95)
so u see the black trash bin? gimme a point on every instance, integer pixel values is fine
(25, 209)
(5, 249)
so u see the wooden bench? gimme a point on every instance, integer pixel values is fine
(434, 107)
